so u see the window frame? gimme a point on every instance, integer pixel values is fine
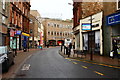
(118, 6)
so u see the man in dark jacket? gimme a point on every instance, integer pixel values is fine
(115, 53)
(70, 47)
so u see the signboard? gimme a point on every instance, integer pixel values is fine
(12, 33)
(86, 26)
(18, 32)
(113, 19)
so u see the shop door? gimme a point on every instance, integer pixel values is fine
(91, 41)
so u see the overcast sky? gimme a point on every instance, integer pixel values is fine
(53, 8)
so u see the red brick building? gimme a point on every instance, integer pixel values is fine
(19, 24)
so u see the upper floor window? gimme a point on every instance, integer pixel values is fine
(57, 33)
(48, 33)
(118, 4)
(3, 4)
(57, 25)
(54, 25)
(48, 24)
(52, 33)
(3, 19)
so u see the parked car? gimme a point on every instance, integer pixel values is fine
(6, 58)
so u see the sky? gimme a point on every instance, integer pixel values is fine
(53, 8)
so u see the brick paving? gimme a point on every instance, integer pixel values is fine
(96, 58)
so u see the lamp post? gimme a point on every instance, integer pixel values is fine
(91, 54)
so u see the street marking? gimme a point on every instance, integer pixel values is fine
(99, 73)
(75, 63)
(85, 67)
(101, 64)
(26, 67)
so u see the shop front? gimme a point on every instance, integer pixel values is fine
(113, 21)
(91, 34)
(76, 32)
(25, 41)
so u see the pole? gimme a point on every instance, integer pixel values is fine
(91, 56)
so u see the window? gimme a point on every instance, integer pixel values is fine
(12, 17)
(54, 25)
(3, 4)
(52, 33)
(48, 24)
(48, 33)
(118, 4)
(57, 25)
(31, 21)
(3, 19)
(31, 31)
(58, 33)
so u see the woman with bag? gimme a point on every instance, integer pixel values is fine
(115, 53)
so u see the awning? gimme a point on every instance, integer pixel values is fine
(25, 34)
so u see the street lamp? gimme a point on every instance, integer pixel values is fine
(91, 55)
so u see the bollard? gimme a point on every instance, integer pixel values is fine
(64, 50)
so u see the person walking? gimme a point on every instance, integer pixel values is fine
(70, 47)
(115, 52)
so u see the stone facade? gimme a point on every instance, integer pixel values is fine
(38, 28)
(57, 30)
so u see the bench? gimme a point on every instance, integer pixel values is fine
(79, 52)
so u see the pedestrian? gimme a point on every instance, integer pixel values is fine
(69, 47)
(36, 45)
(115, 52)
(118, 54)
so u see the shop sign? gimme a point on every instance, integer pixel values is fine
(18, 32)
(25, 34)
(113, 19)
(12, 33)
(86, 26)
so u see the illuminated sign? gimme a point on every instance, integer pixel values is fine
(86, 26)
(113, 19)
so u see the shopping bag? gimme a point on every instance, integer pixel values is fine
(111, 53)
(118, 50)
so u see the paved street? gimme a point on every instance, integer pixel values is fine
(50, 64)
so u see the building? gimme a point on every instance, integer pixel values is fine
(38, 28)
(19, 24)
(111, 25)
(4, 10)
(99, 37)
(56, 31)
